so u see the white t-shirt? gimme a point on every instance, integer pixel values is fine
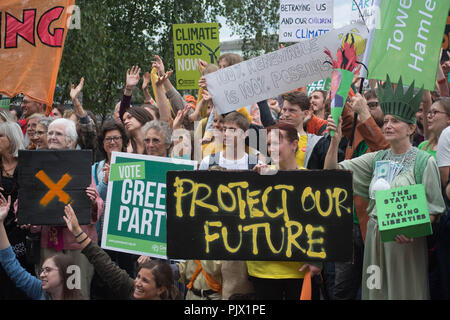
(240, 164)
(443, 148)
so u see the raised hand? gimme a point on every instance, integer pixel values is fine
(75, 91)
(92, 194)
(71, 220)
(146, 79)
(163, 78)
(133, 77)
(4, 207)
(159, 65)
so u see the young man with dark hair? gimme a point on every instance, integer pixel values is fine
(312, 148)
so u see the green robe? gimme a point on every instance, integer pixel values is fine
(403, 268)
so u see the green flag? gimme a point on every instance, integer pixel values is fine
(408, 41)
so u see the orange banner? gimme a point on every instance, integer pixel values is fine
(32, 35)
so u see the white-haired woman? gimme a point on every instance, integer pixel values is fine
(11, 141)
(157, 138)
(62, 134)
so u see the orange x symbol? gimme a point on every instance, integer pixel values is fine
(54, 189)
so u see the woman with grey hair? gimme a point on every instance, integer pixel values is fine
(157, 138)
(11, 141)
(41, 133)
(54, 138)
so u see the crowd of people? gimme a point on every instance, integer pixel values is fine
(384, 121)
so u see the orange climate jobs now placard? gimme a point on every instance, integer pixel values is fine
(32, 35)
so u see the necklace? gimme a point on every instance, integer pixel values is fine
(406, 160)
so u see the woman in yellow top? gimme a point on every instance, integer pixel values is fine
(275, 280)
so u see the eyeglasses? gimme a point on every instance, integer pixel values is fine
(373, 105)
(432, 113)
(111, 139)
(46, 270)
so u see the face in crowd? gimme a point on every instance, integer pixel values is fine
(376, 111)
(41, 136)
(155, 144)
(396, 130)
(145, 287)
(292, 114)
(112, 141)
(57, 138)
(317, 101)
(30, 106)
(437, 118)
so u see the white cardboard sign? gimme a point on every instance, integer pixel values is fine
(280, 71)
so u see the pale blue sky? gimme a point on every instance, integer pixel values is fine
(341, 18)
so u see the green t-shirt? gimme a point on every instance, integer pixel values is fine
(429, 149)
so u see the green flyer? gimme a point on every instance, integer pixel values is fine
(190, 43)
(135, 211)
(403, 210)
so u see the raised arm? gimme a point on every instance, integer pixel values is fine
(146, 80)
(117, 279)
(22, 278)
(163, 103)
(133, 77)
(331, 159)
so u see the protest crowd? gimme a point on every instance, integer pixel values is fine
(381, 122)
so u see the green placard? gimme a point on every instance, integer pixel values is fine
(319, 85)
(123, 171)
(409, 41)
(135, 213)
(403, 210)
(192, 42)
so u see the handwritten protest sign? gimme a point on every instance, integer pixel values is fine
(305, 19)
(32, 42)
(280, 71)
(48, 180)
(135, 213)
(404, 211)
(410, 38)
(369, 10)
(190, 43)
(291, 216)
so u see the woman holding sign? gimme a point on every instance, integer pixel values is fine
(275, 280)
(393, 269)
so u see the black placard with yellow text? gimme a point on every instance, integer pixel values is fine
(303, 215)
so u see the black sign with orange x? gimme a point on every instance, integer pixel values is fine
(48, 180)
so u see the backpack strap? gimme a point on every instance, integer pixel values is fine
(380, 155)
(212, 283)
(420, 164)
(252, 162)
(213, 158)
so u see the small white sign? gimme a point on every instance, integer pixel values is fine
(303, 20)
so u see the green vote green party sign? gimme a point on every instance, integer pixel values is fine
(135, 214)
(192, 42)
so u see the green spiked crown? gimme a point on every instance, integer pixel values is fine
(400, 104)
